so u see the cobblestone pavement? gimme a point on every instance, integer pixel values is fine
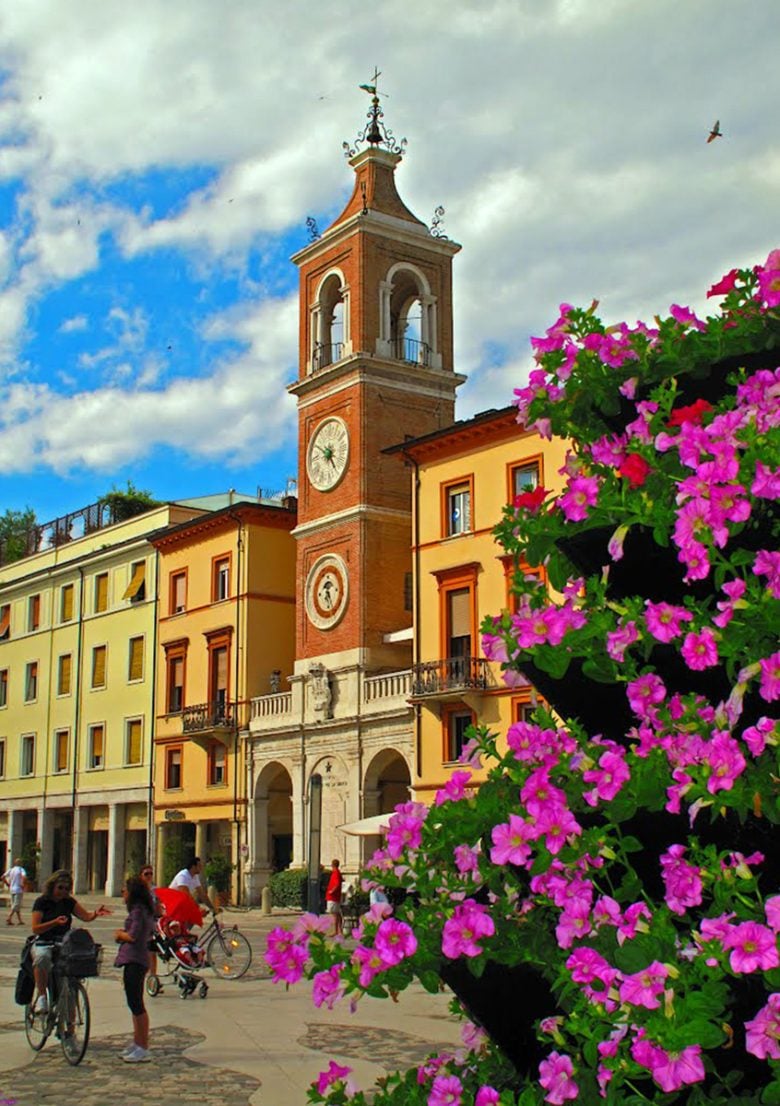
(391, 1048)
(102, 1079)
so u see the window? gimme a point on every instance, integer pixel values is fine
(5, 622)
(457, 507)
(4, 687)
(135, 663)
(61, 742)
(457, 720)
(99, 666)
(66, 603)
(217, 761)
(178, 592)
(101, 592)
(95, 750)
(33, 612)
(64, 669)
(27, 762)
(136, 589)
(219, 680)
(173, 769)
(175, 684)
(524, 478)
(133, 732)
(2, 758)
(408, 591)
(221, 581)
(31, 682)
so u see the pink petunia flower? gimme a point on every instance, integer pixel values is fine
(643, 988)
(769, 688)
(769, 280)
(395, 941)
(470, 923)
(685, 317)
(581, 494)
(725, 761)
(753, 948)
(334, 1074)
(759, 736)
(682, 880)
(510, 841)
(700, 650)
(555, 1076)
(644, 693)
(454, 789)
(725, 284)
(665, 621)
(767, 563)
(762, 1033)
(486, 1096)
(446, 1090)
(619, 640)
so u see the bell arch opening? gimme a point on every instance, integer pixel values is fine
(408, 321)
(330, 322)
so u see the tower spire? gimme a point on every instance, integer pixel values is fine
(376, 133)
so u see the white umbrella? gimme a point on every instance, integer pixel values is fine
(367, 827)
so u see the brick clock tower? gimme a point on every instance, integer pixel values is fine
(376, 366)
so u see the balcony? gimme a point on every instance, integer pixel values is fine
(326, 353)
(440, 679)
(208, 716)
(411, 350)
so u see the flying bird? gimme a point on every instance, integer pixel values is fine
(716, 132)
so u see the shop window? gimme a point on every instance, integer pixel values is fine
(217, 764)
(133, 744)
(64, 673)
(456, 720)
(173, 772)
(66, 603)
(31, 682)
(101, 592)
(220, 588)
(136, 589)
(135, 663)
(61, 742)
(33, 612)
(96, 746)
(99, 666)
(178, 592)
(27, 758)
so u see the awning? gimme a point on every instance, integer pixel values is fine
(367, 827)
(135, 584)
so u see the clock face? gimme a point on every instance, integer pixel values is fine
(328, 454)
(327, 591)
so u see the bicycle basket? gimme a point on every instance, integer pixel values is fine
(79, 956)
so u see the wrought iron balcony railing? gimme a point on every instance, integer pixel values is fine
(208, 716)
(327, 353)
(412, 350)
(450, 674)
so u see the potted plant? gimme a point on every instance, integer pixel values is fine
(218, 871)
(31, 856)
(609, 896)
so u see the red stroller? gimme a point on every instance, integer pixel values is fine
(177, 949)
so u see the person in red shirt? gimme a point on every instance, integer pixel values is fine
(333, 898)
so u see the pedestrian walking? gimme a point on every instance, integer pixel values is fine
(14, 880)
(333, 898)
(133, 958)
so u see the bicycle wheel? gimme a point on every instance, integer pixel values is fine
(74, 1022)
(37, 1027)
(228, 954)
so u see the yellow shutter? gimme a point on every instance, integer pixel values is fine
(97, 744)
(99, 666)
(134, 742)
(139, 573)
(136, 670)
(101, 592)
(62, 751)
(67, 603)
(63, 687)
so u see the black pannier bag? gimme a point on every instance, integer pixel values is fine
(25, 984)
(79, 956)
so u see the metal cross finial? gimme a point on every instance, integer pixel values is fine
(375, 132)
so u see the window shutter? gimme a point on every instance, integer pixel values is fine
(101, 592)
(97, 744)
(67, 603)
(139, 574)
(179, 592)
(460, 613)
(65, 670)
(136, 658)
(99, 666)
(134, 741)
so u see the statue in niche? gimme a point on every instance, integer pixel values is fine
(322, 696)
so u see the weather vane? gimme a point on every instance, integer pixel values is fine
(375, 132)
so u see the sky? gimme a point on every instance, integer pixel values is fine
(158, 162)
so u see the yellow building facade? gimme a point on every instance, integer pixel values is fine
(77, 630)
(226, 634)
(464, 476)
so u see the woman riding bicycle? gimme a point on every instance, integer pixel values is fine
(52, 916)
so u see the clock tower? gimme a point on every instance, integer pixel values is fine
(376, 366)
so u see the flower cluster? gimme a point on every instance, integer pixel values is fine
(605, 903)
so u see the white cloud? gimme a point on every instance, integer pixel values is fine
(74, 324)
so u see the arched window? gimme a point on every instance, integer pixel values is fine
(330, 322)
(408, 330)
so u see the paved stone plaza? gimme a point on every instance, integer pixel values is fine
(250, 1043)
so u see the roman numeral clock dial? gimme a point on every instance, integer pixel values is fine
(328, 454)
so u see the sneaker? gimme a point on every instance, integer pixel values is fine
(41, 1005)
(128, 1049)
(137, 1055)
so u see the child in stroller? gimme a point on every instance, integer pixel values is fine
(177, 948)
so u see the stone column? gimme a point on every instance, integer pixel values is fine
(14, 835)
(160, 839)
(116, 849)
(200, 840)
(298, 818)
(80, 838)
(46, 841)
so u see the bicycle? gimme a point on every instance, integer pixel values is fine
(68, 1014)
(228, 952)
